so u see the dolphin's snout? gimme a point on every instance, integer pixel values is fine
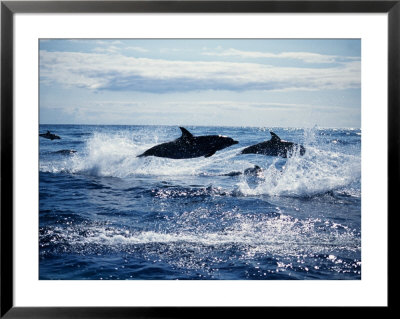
(235, 142)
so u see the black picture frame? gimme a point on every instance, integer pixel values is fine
(9, 8)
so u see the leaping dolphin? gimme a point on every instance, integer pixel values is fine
(189, 146)
(275, 147)
(50, 136)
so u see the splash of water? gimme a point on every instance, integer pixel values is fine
(317, 172)
(115, 155)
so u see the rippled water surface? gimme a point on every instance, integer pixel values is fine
(107, 214)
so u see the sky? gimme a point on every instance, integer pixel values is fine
(216, 82)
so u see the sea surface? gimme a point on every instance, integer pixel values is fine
(107, 214)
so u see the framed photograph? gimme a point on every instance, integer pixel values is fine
(163, 155)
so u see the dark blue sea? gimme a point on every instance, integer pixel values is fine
(107, 214)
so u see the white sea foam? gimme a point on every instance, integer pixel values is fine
(316, 172)
(115, 155)
(279, 235)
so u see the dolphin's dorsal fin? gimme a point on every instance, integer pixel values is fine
(186, 133)
(275, 137)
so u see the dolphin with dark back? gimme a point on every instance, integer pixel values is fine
(65, 152)
(189, 146)
(50, 136)
(275, 147)
(251, 171)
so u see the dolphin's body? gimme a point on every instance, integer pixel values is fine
(253, 171)
(50, 136)
(65, 152)
(275, 147)
(189, 146)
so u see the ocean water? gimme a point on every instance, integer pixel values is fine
(107, 214)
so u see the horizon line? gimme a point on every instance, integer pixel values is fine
(241, 126)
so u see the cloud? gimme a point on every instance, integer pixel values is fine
(107, 49)
(116, 49)
(136, 49)
(113, 71)
(307, 57)
(213, 112)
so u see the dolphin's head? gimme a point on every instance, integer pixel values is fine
(220, 142)
(226, 141)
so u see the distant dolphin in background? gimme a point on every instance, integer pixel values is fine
(275, 147)
(189, 146)
(65, 152)
(50, 136)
